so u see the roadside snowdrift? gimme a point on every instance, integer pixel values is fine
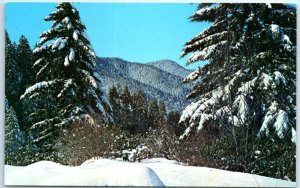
(150, 172)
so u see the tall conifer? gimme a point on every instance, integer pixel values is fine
(250, 79)
(67, 89)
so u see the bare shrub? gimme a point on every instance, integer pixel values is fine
(263, 156)
(82, 142)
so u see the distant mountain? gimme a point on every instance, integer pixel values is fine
(171, 67)
(158, 80)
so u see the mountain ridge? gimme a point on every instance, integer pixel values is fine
(171, 67)
(155, 80)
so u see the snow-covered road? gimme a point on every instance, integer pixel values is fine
(149, 172)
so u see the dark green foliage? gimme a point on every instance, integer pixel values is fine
(25, 63)
(26, 74)
(153, 114)
(121, 102)
(172, 121)
(18, 74)
(244, 100)
(12, 79)
(113, 96)
(133, 113)
(67, 90)
(126, 98)
(140, 105)
(251, 70)
(14, 139)
(115, 101)
(127, 121)
(162, 116)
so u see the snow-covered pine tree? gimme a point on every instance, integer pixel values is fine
(67, 89)
(14, 138)
(12, 90)
(250, 79)
(13, 79)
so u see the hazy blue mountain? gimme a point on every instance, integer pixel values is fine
(155, 79)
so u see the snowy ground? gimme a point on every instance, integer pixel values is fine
(150, 172)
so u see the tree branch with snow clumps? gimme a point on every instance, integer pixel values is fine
(66, 90)
(251, 50)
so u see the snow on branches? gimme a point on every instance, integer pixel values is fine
(67, 90)
(38, 86)
(251, 66)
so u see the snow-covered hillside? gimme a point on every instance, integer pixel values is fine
(149, 172)
(171, 67)
(156, 79)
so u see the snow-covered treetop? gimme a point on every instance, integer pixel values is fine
(67, 36)
(65, 78)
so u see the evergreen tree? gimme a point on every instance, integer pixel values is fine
(127, 111)
(25, 62)
(12, 90)
(67, 89)
(126, 97)
(140, 109)
(13, 80)
(113, 96)
(14, 139)
(251, 75)
(172, 122)
(115, 101)
(162, 117)
(25, 75)
(153, 114)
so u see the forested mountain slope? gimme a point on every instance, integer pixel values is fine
(170, 67)
(157, 79)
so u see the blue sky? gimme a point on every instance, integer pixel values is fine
(138, 32)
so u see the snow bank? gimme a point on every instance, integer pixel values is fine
(102, 172)
(150, 172)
